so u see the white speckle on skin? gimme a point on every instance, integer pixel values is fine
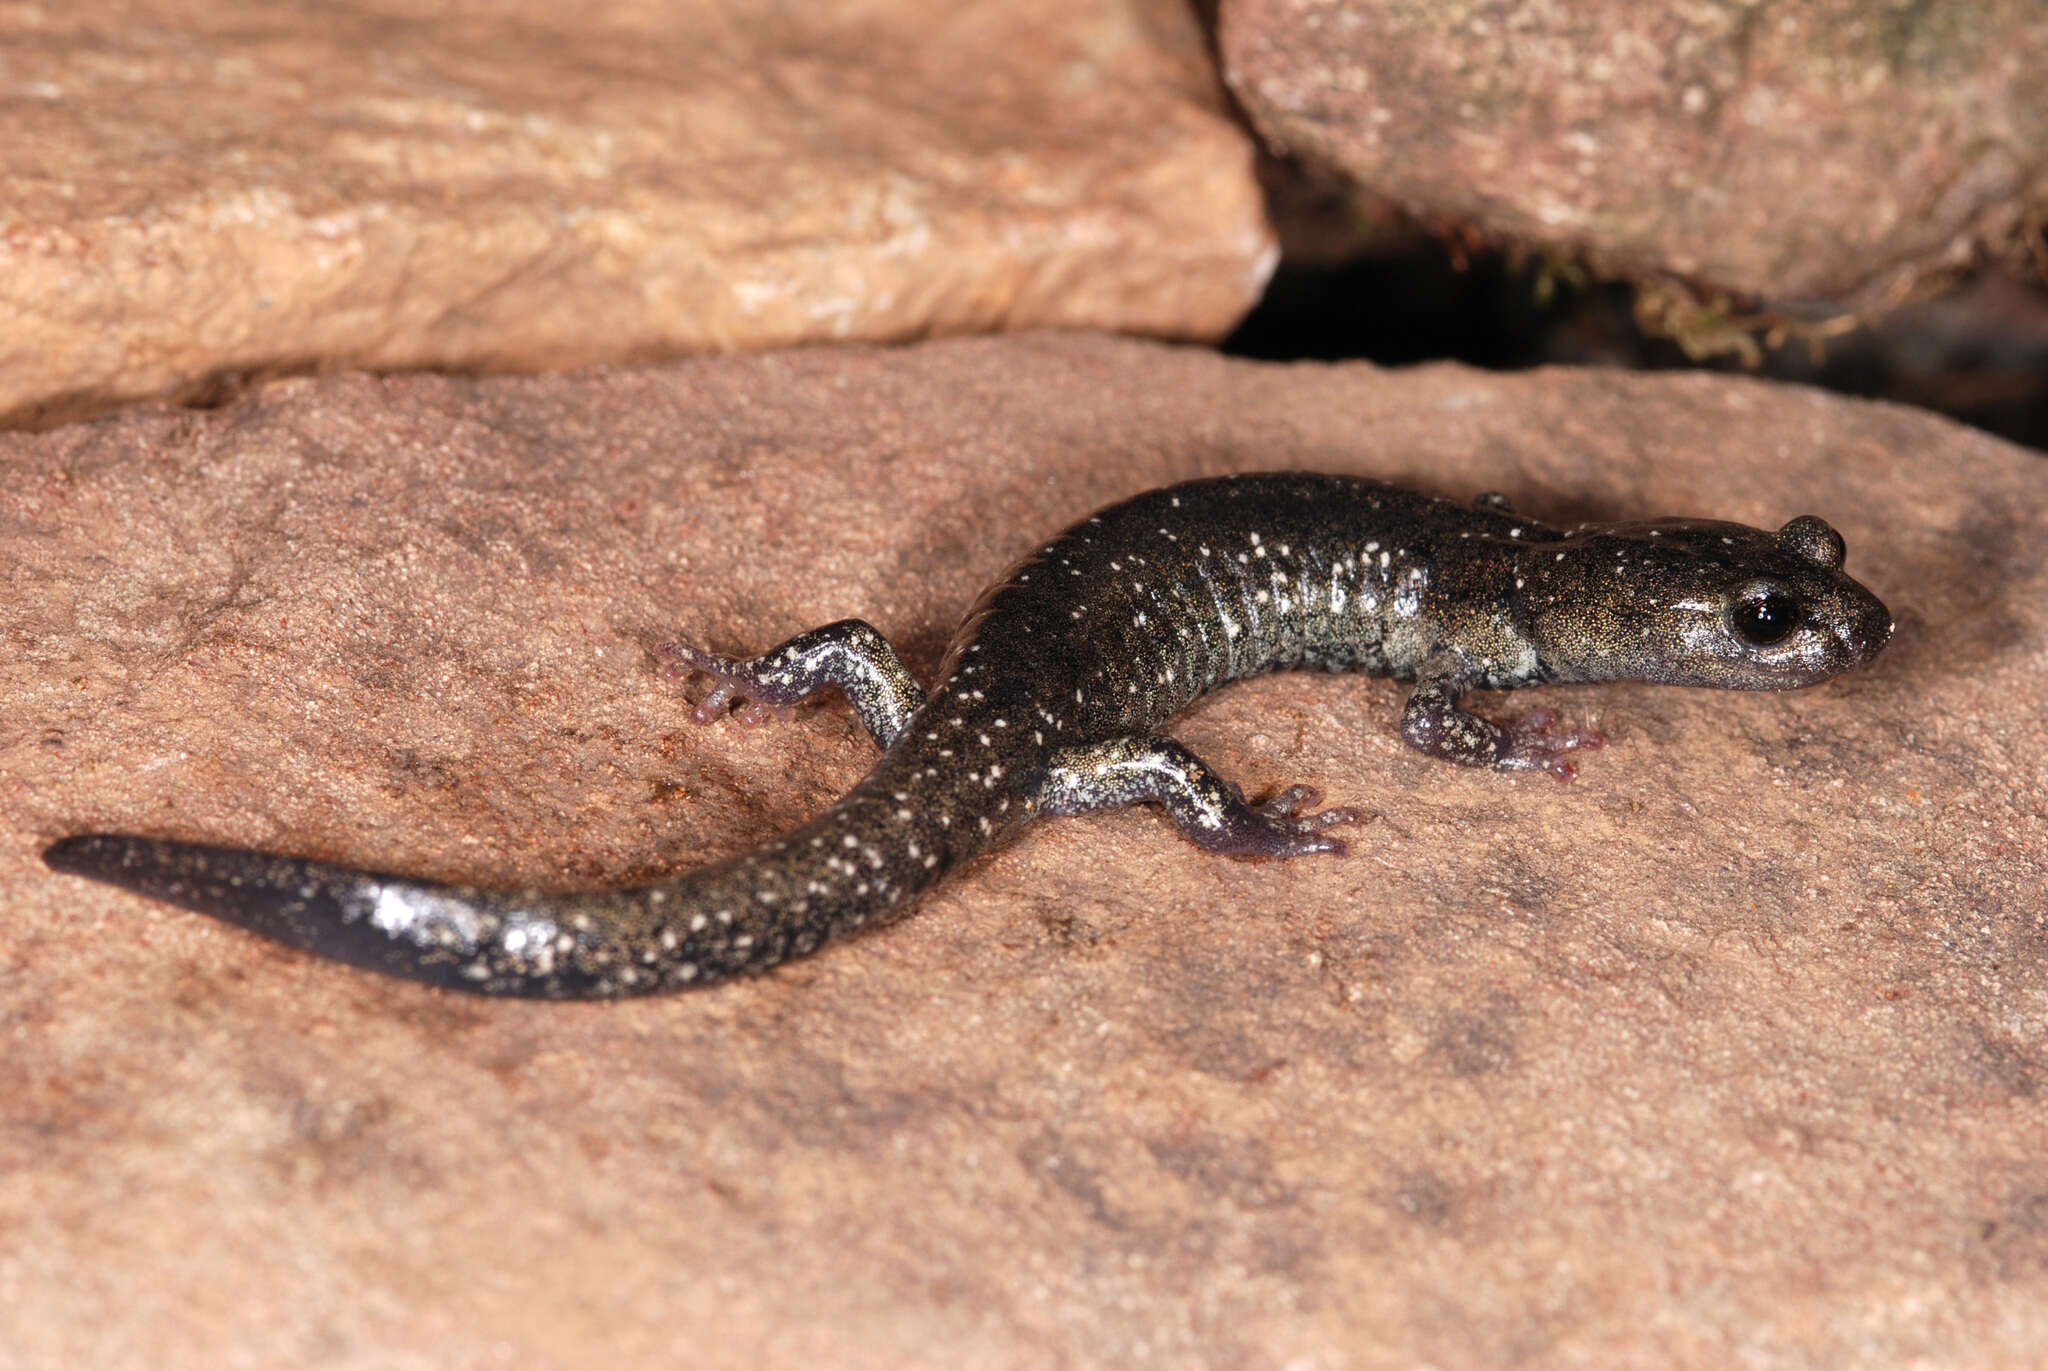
(399, 909)
(525, 932)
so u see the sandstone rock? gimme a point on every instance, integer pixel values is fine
(192, 192)
(1824, 157)
(1729, 1053)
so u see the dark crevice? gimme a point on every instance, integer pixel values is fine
(1978, 353)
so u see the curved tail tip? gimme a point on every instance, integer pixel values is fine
(88, 854)
(182, 873)
(127, 859)
(332, 911)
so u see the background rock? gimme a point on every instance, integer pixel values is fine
(192, 192)
(1823, 157)
(1730, 1053)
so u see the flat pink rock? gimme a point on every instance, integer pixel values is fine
(1729, 1053)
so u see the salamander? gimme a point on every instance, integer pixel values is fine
(1052, 700)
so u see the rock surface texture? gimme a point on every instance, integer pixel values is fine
(1731, 1053)
(1822, 156)
(191, 192)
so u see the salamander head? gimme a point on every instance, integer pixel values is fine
(1693, 602)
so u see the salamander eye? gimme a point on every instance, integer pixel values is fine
(1765, 619)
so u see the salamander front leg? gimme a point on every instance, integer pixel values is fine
(851, 655)
(1433, 723)
(1210, 810)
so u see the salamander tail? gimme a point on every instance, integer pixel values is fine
(857, 865)
(419, 930)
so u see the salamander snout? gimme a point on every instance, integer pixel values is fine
(1856, 621)
(1868, 630)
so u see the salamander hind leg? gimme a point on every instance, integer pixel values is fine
(1211, 811)
(851, 656)
(1434, 724)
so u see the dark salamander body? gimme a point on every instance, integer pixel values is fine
(1052, 701)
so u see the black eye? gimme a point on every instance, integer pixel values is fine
(1767, 619)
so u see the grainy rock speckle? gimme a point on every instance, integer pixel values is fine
(1823, 157)
(1729, 1053)
(191, 194)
